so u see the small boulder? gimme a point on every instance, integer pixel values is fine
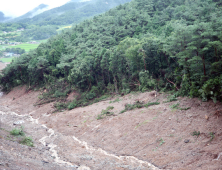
(19, 122)
(186, 141)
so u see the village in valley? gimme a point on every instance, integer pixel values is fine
(14, 42)
(10, 48)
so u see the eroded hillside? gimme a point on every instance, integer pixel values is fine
(181, 134)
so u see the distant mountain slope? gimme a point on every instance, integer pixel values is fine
(2, 17)
(39, 9)
(72, 12)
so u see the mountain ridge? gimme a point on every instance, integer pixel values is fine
(3, 18)
(37, 10)
(72, 12)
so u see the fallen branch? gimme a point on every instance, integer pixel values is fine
(173, 84)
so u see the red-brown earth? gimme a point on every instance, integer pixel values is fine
(157, 137)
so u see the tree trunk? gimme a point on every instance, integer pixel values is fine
(204, 65)
(216, 54)
(166, 59)
(144, 61)
(115, 84)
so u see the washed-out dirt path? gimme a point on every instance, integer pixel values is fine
(157, 137)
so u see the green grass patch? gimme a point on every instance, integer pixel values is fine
(195, 133)
(17, 132)
(105, 113)
(27, 47)
(116, 100)
(185, 108)
(27, 141)
(60, 106)
(161, 141)
(171, 99)
(2, 47)
(211, 136)
(151, 103)
(142, 123)
(64, 27)
(42, 41)
(138, 104)
(175, 106)
(101, 98)
(6, 60)
(20, 137)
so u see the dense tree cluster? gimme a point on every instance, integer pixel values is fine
(141, 45)
(15, 50)
(8, 27)
(39, 33)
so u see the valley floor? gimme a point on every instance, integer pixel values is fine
(158, 137)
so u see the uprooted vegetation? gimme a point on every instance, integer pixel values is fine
(138, 104)
(106, 112)
(59, 92)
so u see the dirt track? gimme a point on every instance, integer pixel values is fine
(2, 65)
(156, 137)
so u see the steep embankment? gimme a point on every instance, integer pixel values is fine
(163, 134)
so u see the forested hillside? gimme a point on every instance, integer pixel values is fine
(141, 45)
(45, 24)
(72, 12)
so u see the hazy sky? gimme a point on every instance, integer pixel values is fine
(20, 7)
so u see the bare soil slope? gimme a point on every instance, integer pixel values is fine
(157, 137)
(2, 65)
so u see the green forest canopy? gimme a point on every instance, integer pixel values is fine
(44, 25)
(141, 45)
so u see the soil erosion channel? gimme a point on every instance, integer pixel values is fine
(155, 137)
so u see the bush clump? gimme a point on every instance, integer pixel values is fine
(105, 113)
(27, 141)
(17, 132)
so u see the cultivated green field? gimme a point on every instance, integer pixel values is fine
(64, 27)
(42, 41)
(1, 47)
(26, 47)
(6, 60)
